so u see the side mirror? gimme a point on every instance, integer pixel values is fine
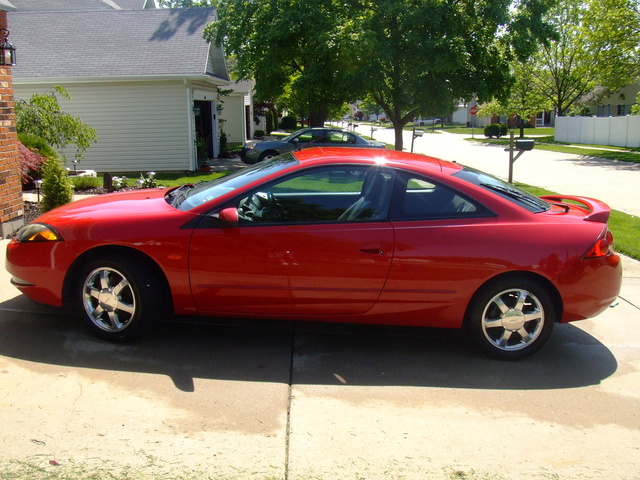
(229, 217)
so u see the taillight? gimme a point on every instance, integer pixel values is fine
(602, 247)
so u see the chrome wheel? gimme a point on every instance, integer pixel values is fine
(513, 319)
(109, 299)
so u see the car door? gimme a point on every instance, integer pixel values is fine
(315, 243)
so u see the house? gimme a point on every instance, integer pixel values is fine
(617, 104)
(143, 77)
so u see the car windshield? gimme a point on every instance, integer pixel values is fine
(504, 189)
(190, 196)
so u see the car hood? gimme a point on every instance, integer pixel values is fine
(113, 205)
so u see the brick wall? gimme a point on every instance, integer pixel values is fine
(11, 207)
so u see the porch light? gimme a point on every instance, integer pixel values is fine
(7, 50)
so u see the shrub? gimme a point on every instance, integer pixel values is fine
(33, 152)
(495, 130)
(30, 163)
(223, 142)
(288, 123)
(56, 186)
(84, 183)
(149, 182)
(258, 134)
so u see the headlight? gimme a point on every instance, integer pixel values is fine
(38, 232)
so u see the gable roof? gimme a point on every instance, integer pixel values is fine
(66, 5)
(115, 44)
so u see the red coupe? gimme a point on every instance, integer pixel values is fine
(342, 235)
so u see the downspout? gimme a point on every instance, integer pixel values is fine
(193, 161)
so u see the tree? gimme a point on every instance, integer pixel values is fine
(410, 56)
(524, 100)
(418, 57)
(43, 117)
(595, 54)
(296, 50)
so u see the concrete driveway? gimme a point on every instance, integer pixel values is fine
(309, 401)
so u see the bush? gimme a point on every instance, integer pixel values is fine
(84, 183)
(495, 130)
(33, 152)
(56, 186)
(258, 134)
(288, 123)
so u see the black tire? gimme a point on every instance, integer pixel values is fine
(267, 155)
(511, 318)
(118, 299)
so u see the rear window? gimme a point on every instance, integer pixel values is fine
(503, 189)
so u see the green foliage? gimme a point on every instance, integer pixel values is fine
(495, 130)
(223, 142)
(635, 109)
(596, 52)
(258, 133)
(288, 123)
(33, 151)
(56, 186)
(149, 181)
(84, 183)
(42, 116)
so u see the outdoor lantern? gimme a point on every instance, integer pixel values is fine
(7, 51)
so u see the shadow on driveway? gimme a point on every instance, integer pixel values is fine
(302, 353)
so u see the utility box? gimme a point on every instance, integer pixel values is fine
(524, 144)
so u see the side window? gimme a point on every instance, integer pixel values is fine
(329, 194)
(343, 138)
(422, 199)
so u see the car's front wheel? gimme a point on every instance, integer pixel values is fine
(511, 318)
(117, 299)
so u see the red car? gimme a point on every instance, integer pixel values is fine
(342, 235)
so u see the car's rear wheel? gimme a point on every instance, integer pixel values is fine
(511, 318)
(118, 299)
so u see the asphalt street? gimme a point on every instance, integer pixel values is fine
(297, 401)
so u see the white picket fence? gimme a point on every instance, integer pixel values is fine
(614, 131)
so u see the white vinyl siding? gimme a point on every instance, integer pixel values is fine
(233, 116)
(140, 126)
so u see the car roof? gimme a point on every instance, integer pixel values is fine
(325, 155)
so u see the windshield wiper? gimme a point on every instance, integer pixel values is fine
(177, 196)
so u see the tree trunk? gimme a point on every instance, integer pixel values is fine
(318, 116)
(398, 129)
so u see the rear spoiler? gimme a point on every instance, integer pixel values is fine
(596, 210)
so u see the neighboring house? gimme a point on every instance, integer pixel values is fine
(618, 104)
(143, 78)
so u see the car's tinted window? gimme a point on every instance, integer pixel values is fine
(342, 138)
(506, 190)
(327, 194)
(419, 198)
(188, 197)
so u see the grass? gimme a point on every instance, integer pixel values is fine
(600, 151)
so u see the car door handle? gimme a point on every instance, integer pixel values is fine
(372, 249)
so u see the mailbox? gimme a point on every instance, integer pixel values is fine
(418, 133)
(524, 144)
